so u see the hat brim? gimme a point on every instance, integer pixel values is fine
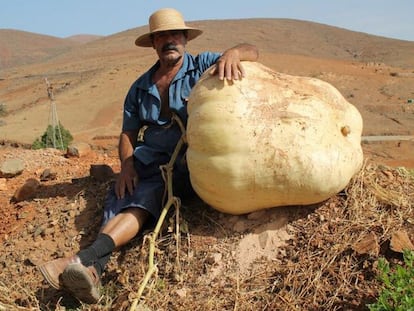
(146, 41)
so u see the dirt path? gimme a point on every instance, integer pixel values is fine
(386, 138)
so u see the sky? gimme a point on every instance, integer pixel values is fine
(64, 18)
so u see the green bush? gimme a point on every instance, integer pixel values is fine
(3, 109)
(57, 137)
(398, 291)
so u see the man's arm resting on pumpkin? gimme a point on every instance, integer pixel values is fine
(229, 64)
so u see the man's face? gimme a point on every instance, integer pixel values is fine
(170, 45)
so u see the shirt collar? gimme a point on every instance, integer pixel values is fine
(145, 83)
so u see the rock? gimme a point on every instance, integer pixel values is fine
(101, 172)
(400, 241)
(47, 174)
(78, 150)
(214, 259)
(240, 226)
(11, 168)
(27, 191)
(367, 245)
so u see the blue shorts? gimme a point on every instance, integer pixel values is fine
(149, 192)
(147, 195)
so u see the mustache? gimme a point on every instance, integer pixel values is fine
(169, 47)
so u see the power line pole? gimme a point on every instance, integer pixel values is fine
(54, 123)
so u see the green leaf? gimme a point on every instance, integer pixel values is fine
(398, 285)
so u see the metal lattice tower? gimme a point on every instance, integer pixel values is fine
(53, 132)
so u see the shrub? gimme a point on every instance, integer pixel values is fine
(398, 291)
(57, 137)
(3, 109)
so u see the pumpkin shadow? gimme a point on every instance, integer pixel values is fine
(202, 219)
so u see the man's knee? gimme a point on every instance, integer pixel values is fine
(140, 214)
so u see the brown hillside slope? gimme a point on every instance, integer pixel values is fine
(83, 38)
(20, 47)
(287, 36)
(280, 36)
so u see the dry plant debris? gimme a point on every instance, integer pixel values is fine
(328, 260)
(332, 263)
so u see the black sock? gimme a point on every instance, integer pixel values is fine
(102, 247)
(101, 263)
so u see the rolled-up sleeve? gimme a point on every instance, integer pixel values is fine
(207, 59)
(131, 120)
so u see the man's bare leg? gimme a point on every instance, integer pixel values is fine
(125, 226)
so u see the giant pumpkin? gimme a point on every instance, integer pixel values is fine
(270, 140)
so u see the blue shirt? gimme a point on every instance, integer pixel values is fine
(142, 106)
(142, 103)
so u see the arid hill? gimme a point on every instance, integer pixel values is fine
(19, 48)
(281, 36)
(83, 38)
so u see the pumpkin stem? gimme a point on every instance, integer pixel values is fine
(167, 174)
(345, 130)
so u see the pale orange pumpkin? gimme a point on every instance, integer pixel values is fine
(270, 140)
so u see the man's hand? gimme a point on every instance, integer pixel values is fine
(229, 64)
(127, 179)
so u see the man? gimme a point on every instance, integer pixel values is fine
(149, 136)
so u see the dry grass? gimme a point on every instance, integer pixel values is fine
(318, 270)
(324, 272)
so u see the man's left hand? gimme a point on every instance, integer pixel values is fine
(229, 66)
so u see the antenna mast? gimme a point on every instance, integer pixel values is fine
(54, 124)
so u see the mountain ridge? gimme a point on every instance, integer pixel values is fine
(278, 35)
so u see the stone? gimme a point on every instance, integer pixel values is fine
(48, 174)
(400, 241)
(78, 150)
(101, 172)
(27, 191)
(367, 245)
(11, 168)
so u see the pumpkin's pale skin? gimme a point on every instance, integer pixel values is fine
(270, 140)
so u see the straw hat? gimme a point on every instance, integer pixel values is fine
(163, 20)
